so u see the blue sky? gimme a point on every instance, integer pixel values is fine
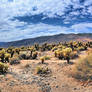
(21, 19)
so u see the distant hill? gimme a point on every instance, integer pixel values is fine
(49, 39)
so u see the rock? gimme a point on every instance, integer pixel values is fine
(57, 86)
(75, 88)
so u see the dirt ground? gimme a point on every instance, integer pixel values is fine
(23, 77)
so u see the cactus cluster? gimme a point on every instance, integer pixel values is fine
(3, 67)
(4, 56)
(63, 54)
(42, 70)
(66, 50)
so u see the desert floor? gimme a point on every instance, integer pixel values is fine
(23, 77)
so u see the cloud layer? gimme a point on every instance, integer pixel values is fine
(20, 19)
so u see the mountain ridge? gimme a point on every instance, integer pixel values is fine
(49, 39)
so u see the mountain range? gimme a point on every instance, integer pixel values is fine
(49, 39)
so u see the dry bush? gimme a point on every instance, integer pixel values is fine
(83, 68)
(14, 61)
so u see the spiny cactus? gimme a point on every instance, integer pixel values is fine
(42, 59)
(36, 46)
(34, 55)
(3, 67)
(7, 56)
(2, 55)
(63, 54)
(17, 50)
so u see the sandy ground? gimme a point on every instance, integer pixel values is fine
(23, 77)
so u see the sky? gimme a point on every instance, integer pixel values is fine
(21, 19)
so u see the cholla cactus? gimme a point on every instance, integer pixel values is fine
(66, 54)
(7, 56)
(34, 55)
(42, 59)
(3, 67)
(63, 54)
(59, 54)
(36, 46)
(32, 49)
(17, 50)
(2, 54)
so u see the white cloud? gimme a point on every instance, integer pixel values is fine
(31, 31)
(82, 27)
(48, 7)
(15, 30)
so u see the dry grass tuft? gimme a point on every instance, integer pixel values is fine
(83, 69)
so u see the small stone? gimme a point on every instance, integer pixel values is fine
(75, 88)
(57, 86)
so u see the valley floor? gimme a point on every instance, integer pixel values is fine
(23, 78)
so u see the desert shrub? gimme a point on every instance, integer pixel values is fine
(24, 56)
(42, 70)
(27, 65)
(83, 69)
(54, 48)
(81, 48)
(22, 48)
(3, 67)
(14, 61)
(1, 48)
(73, 55)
